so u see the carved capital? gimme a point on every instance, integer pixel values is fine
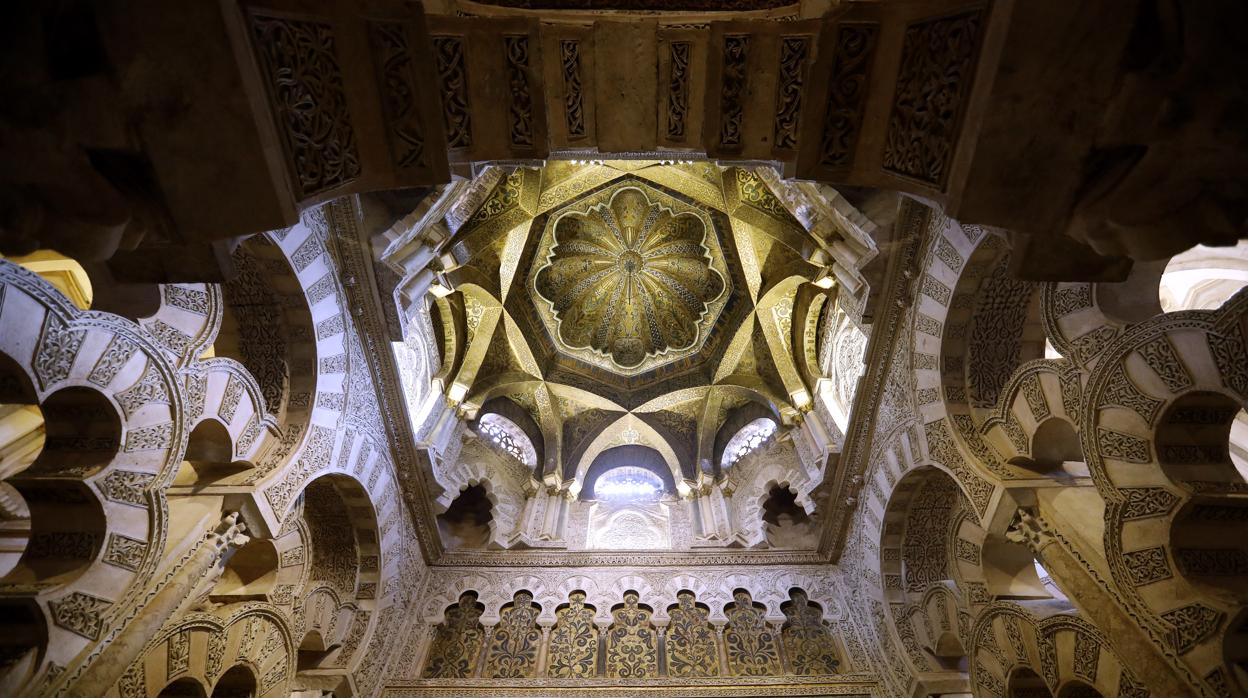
(1029, 529)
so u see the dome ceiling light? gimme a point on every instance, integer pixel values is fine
(632, 275)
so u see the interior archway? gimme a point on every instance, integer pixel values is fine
(209, 455)
(266, 326)
(1025, 683)
(238, 682)
(83, 433)
(787, 523)
(183, 688)
(1078, 689)
(1055, 451)
(466, 523)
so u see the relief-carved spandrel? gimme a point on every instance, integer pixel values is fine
(632, 645)
(678, 89)
(937, 65)
(457, 641)
(521, 107)
(573, 647)
(732, 95)
(752, 647)
(807, 637)
(691, 650)
(448, 55)
(794, 51)
(300, 63)
(573, 95)
(847, 93)
(513, 646)
(400, 94)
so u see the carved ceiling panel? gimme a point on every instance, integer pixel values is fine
(629, 278)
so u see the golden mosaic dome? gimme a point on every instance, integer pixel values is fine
(632, 275)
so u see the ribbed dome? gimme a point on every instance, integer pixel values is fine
(629, 278)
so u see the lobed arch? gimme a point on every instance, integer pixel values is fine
(986, 327)
(1012, 648)
(1180, 373)
(242, 645)
(85, 556)
(209, 457)
(494, 590)
(495, 479)
(1034, 426)
(1083, 319)
(751, 485)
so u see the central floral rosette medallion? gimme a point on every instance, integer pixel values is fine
(630, 278)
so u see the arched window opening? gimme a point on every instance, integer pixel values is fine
(634, 473)
(750, 438)
(627, 483)
(788, 524)
(183, 688)
(507, 437)
(1203, 278)
(466, 523)
(249, 574)
(209, 456)
(238, 682)
(1055, 451)
(1025, 683)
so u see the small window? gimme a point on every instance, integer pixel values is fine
(506, 436)
(628, 484)
(750, 438)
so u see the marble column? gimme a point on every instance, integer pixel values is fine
(191, 581)
(543, 650)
